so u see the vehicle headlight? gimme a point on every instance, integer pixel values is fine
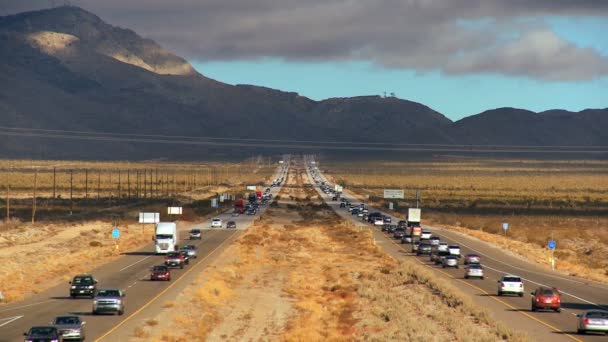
(91, 287)
(94, 301)
(119, 301)
(73, 287)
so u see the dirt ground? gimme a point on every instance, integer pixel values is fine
(303, 274)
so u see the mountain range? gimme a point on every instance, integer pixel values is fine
(64, 71)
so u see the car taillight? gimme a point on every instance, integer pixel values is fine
(558, 299)
(585, 321)
(539, 298)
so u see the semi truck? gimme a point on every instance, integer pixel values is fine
(166, 237)
(239, 206)
(413, 221)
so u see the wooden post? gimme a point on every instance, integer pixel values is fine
(157, 194)
(86, 183)
(137, 185)
(8, 202)
(119, 192)
(151, 183)
(110, 189)
(54, 175)
(129, 184)
(98, 184)
(34, 197)
(71, 191)
(145, 179)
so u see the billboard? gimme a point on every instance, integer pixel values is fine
(174, 210)
(149, 217)
(393, 193)
(251, 187)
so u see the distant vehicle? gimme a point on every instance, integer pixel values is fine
(191, 249)
(185, 255)
(385, 227)
(342, 205)
(510, 284)
(216, 223)
(378, 221)
(252, 197)
(416, 231)
(69, 327)
(195, 234)
(83, 285)
(354, 211)
(424, 248)
(43, 333)
(592, 321)
(437, 256)
(415, 246)
(231, 224)
(473, 271)
(398, 233)
(258, 195)
(434, 240)
(335, 198)
(442, 246)
(472, 259)
(544, 298)
(425, 235)
(160, 272)
(450, 261)
(166, 237)
(239, 206)
(387, 219)
(402, 224)
(109, 300)
(454, 250)
(175, 259)
(413, 217)
(406, 238)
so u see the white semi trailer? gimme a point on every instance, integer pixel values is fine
(166, 237)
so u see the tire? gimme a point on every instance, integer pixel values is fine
(521, 294)
(121, 312)
(482, 278)
(558, 310)
(94, 312)
(466, 277)
(181, 266)
(443, 266)
(499, 293)
(533, 309)
(580, 332)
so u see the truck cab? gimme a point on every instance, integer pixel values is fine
(166, 237)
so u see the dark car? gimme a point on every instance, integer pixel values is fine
(83, 285)
(186, 256)
(342, 205)
(392, 228)
(387, 219)
(424, 248)
(231, 224)
(355, 211)
(402, 224)
(385, 227)
(545, 298)
(160, 272)
(70, 327)
(398, 233)
(43, 334)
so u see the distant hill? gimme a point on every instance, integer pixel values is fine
(66, 69)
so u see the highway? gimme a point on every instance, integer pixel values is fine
(577, 294)
(130, 272)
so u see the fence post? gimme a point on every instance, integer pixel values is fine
(71, 191)
(34, 197)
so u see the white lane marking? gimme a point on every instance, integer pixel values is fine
(28, 305)
(9, 320)
(135, 263)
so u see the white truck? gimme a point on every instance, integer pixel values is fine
(166, 237)
(413, 221)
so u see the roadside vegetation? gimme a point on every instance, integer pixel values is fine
(540, 199)
(301, 273)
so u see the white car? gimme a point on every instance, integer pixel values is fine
(510, 284)
(425, 235)
(216, 222)
(442, 246)
(454, 250)
(473, 271)
(378, 222)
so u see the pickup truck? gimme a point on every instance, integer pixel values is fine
(175, 259)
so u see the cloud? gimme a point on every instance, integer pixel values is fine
(423, 35)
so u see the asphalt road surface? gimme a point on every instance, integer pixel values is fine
(130, 273)
(577, 294)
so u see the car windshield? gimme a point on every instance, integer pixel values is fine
(425, 245)
(454, 247)
(195, 231)
(472, 256)
(173, 255)
(547, 292)
(444, 253)
(43, 331)
(163, 236)
(475, 267)
(597, 314)
(188, 247)
(108, 293)
(512, 279)
(160, 269)
(83, 281)
(67, 320)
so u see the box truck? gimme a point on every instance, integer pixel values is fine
(166, 237)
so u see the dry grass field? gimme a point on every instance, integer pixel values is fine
(566, 200)
(303, 274)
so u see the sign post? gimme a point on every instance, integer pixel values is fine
(390, 206)
(505, 227)
(115, 236)
(552, 245)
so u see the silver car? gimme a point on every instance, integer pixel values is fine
(473, 271)
(109, 300)
(70, 327)
(450, 261)
(592, 321)
(191, 250)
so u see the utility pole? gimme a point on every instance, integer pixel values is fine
(119, 190)
(34, 197)
(54, 175)
(71, 191)
(86, 183)
(129, 184)
(8, 202)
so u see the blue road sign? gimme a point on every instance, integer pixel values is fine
(115, 233)
(505, 226)
(552, 244)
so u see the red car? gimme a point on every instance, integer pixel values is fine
(545, 298)
(160, 273)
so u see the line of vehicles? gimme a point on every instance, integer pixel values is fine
(423, 243)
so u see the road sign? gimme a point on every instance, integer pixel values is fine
(115, 233)
(174, 210)
(390, 206)
(552, 244)
(393, 193)
(214, 203)
(505, 226)
(251, 187)
(149, 217)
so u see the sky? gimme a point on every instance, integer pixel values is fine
(459, 57)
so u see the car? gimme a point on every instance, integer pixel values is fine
(231, 224)
(160, 272)
(473, 271)
(378, 221)
(354, 211)
(438, 256)
(350, 208)
(185, 255)
(70, 327)
(387, 219)
(407, 238)
(454, 250)
(251, 212)
(424, 248)
(191, 249)
(415, 246)
(360, 213)
(544, 298)
(434, 240)
(510, 284)
(443, 246)
(175, 259)
(365, 211)
(109, 300)
(592, 321)
(385, 227)
(402, 224)
(43, 333)
(83, 285)
(449, 261)
(342, 205)
(216, 222)
(398, 233)
(335, 198)
(195, 234)
(425, 235)
(472, 259)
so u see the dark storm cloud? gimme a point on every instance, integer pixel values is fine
(414, 34)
